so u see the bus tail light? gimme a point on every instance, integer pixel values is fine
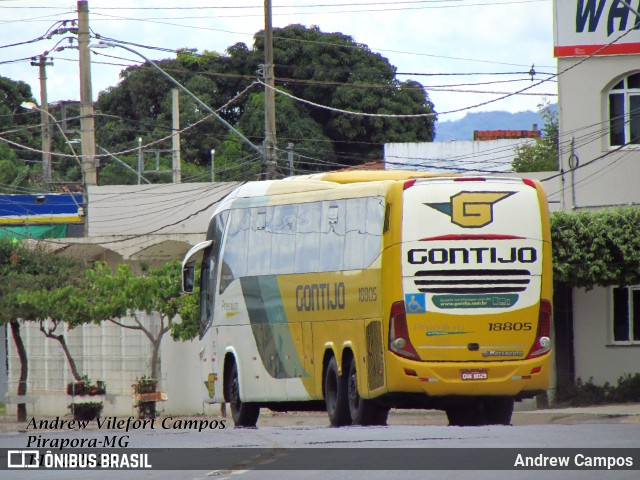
(542, 344)
(399, 342)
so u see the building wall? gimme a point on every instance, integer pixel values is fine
(604, 177)
(453, 157)
(595, 355)
(113, 354)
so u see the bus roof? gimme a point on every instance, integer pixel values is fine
(356, 176)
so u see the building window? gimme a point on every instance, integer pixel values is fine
(624, 111)
(626, 315)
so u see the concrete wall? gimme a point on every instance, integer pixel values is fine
(605, 177)
(454, 156)
(595, 355)
(111, 353)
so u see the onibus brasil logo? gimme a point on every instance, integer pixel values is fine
(471, 209)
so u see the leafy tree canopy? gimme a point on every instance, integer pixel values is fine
(542, 154)
(325, 68)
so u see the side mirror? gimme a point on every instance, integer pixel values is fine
(188, 277)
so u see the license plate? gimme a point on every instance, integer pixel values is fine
(478, 374)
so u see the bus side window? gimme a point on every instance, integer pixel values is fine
(259, 246)
(332, 237)
(355, 235)
(285, 218)
(377, 221)
(209, 275)
(308, 238)
(206, 297)
(234, 261)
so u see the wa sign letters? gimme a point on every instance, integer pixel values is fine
(596, 27)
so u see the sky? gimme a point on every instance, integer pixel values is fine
(467, 53)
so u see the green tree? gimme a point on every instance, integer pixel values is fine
(68, 305)
(542, 154)
(115, 296)
(23, 269)
(292, 122)
(326, 68)
(15, 174)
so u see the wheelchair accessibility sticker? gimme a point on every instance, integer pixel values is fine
(415, 303)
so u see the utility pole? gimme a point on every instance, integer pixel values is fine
(45, 119)
(87, 127)
(175, 137)
(269, 96)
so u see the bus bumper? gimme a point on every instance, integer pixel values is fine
(521, 379)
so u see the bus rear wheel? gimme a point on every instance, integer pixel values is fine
(244, 414)
(498, 410)
(335, 395)
(363, 412)
(469, 414)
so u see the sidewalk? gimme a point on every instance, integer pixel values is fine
(620, 413)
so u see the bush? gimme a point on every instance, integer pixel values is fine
(580, 393)
(628, 389)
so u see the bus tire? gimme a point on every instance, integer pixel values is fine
(244, 414)
(363, 412)
(466, 414)
(498, 410)
(335, 395)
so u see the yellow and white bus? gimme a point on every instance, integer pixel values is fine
(364, 291)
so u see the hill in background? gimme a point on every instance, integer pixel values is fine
(463, 129)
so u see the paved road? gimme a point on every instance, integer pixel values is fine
(606, 429)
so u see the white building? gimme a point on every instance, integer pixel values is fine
(598, 53)
(455, 156)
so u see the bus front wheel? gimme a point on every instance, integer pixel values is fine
(335, 395)
(244, 414)
(363, 412)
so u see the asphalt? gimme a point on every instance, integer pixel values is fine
(620, 413)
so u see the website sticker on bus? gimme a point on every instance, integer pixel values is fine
(415, 303)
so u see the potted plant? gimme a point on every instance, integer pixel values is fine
(146, 395)
(86, 410)
(86, 398)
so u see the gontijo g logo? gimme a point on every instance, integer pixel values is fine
(471, 209)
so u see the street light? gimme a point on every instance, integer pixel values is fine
(33, 106)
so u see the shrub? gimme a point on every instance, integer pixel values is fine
(580, 393)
